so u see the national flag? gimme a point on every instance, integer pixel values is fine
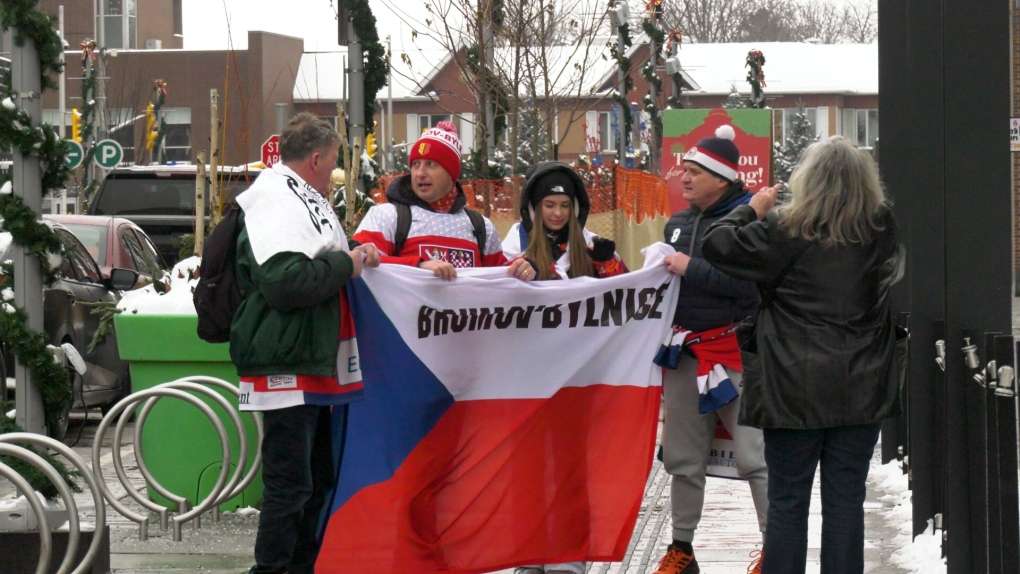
(504, 423)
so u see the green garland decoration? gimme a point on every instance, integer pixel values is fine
(18, 132)
(658, 40)
(88, 121)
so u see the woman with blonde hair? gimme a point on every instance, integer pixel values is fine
(820, 372)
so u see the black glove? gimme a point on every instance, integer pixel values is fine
(602, 249)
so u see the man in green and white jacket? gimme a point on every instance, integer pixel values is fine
(290, 335)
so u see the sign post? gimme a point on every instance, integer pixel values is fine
(108, 154)
(271, 151)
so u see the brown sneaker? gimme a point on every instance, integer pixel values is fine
(677, 561)
(755, 567)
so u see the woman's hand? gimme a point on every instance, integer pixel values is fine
(521, 268)
(764, 200)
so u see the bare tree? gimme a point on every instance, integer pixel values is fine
(861, 21)
(708, 21)
(821, 21)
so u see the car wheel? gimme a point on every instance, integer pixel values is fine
(57, 423)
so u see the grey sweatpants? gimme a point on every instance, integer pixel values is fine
(686, 443)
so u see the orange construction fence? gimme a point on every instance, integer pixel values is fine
(636, 193)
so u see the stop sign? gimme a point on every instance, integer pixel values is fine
(271, 151)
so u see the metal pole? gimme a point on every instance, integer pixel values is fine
(27, 181)
(356, 109)
(388, 155)
(281, 116)
(621, 128)
(100, 94)
(62, 97)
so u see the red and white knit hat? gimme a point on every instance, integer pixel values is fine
(440, 144)
(718, 155)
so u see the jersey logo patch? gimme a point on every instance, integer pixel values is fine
(459, 258)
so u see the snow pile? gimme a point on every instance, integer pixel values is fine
(923, 554)
(177, 300)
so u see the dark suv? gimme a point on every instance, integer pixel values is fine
(161, 199)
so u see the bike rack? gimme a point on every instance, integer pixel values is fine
(222, 490)
(9, 445)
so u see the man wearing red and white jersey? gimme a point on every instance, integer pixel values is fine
(441, 237)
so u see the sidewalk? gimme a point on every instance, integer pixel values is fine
(728, 533)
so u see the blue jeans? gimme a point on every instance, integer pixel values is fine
(792, 456)
(297, 474)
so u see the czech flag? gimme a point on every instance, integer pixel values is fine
(504, 423)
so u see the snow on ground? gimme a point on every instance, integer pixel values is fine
(176, 301)
(923, 554)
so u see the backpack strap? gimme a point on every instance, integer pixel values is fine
(478, 222)
(403, 227)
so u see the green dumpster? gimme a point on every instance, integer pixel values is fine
(180, 445)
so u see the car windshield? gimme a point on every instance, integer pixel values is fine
(155, 196)
(93, 238)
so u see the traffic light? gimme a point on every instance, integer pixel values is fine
(370, 145)
(150, 127)
(76, 125)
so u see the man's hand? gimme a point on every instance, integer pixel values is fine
(357, 259)
(677, 263)
(764, 200)
(371, 255)
(521, 269)
(442, 269)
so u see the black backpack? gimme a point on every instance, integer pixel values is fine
(217, 296)
(404, 227)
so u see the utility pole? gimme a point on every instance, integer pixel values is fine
(619, 14)
(356, 106)
(62, 82)
(27, 181)
(388, 155)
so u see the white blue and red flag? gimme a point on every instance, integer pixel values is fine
(504, 423)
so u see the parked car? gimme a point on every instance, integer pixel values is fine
(115, 242)
(67, 320)
(161, 199)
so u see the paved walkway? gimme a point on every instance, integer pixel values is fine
(727, 535)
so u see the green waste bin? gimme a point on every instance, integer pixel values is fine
(180, 445)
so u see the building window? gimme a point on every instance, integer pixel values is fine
(607, 130)
(861, 127)
(426, 122)
(782, 122)
(177, 143)
(120, 19)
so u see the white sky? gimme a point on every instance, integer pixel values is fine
(223, 24)
(206, 22)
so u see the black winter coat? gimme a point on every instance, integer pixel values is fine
(825, 344)
(708, 298)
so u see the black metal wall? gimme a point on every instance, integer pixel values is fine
(944, 107)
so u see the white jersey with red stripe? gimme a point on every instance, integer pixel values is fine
(447, 237)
